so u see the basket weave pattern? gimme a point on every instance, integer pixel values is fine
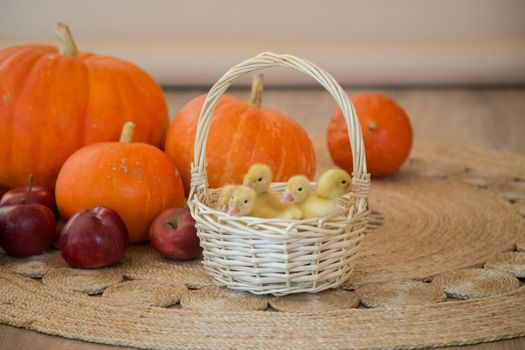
(278, 256)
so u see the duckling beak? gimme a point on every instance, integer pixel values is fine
(248, 184)
(287, 198)
(234, 211)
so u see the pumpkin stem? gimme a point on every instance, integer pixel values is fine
(127, 132)
(30, 180)
(66, 44)
(257, 90)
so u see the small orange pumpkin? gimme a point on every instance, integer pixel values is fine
(136, 180)
(387, 134)
(55, 100)
(241, 134)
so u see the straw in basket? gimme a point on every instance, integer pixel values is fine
(279, 256)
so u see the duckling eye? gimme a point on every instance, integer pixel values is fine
(259, 179)
(300, 189)
(343, 182)
(245, 201)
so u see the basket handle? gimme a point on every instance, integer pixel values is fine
(199, 179)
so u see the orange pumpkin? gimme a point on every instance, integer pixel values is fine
(387, 134)
(241, 134)
(55, 100)
(136, 180)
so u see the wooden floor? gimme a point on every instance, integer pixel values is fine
(488, 118)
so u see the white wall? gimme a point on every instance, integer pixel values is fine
(360, 42)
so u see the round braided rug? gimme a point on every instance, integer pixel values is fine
(400, 293)
(513, 262)
(474, 283)
(212, 298)
(35, 266)
(447, 209)
(85, 281)
(328, 300)
(154, 293)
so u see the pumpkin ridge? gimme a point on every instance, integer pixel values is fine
(274, 118)
(64, 71)
(15, 112)
(286, 143)
(87, 57)
(13, 57)
(91, 58)
(26, 73)
(34, 65)
(291, 143)
(145, 205)
(13, 96)
(5, 53)
(259, 132)
(88, 103)
(122, 106)
(308, 164)
(127, 76)
(150, 136)
(108, 60)
(117, 83)
(93, 115)
(23, 50)
(38, 135)
(229, 169)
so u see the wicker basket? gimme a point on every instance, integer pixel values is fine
(278, 256)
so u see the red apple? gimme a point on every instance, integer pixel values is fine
(174, 236)
(94, 238)
(30, 194)
(26, 229)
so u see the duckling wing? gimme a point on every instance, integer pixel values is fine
(292, 213)
(316, 207)
(271, 199)
(264, 211)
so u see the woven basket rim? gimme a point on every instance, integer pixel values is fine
(301, 225)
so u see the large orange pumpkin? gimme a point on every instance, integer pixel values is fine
(55, 100)
(136, 180)
(387, 134)
(241, 134)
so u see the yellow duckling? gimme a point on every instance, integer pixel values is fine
(332, 184)
(267, 203)
(242, 201)
(298, 190)
(259, 178)
(224, 197)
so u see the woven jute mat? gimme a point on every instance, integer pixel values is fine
(449, 210)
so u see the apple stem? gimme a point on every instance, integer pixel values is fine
(257, 90)
(127, 132)
(66, 44)
(173, 223)
(30, 182)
